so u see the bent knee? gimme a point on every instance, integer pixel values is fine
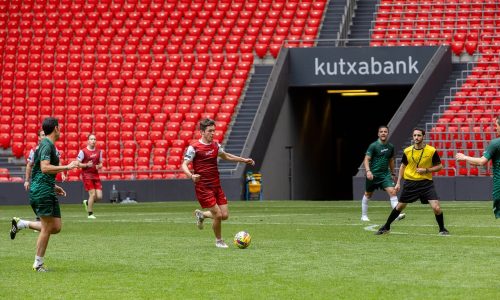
(437, 209)
(225, 216)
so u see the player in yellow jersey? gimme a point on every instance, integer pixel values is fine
(417, 165)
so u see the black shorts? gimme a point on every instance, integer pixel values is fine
(414, 190)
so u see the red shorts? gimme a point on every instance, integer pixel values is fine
(209, 196)
(92, 184)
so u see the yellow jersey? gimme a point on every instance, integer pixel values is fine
(426, 157)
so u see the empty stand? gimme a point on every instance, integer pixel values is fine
(462, 25)
(138, 74)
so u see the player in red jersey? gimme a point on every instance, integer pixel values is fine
(204, 153)
(90, 160)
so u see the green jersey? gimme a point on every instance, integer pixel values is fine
(42, 185)
(492, 153)
(381, 155)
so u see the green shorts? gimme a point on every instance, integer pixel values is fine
(46, 207)
(379, 183)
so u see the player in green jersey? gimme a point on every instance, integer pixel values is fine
(44, 191)
(379, 166)
(492, 153)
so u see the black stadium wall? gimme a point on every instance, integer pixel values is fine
(305, 145)
(140, 190)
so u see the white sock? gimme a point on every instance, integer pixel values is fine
(38, 261)
(364, 206)
(394, 201)
(22, 224)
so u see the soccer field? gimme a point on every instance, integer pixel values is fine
(299, 250)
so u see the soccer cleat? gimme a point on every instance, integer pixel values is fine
(40, 268)
(91, 217)
(444, 232)
(85, 202)
(365, 219)
(199, 218)
(221, 244)
(401, 217)
(14, 229)
(382, 230)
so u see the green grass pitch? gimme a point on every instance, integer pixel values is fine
(299, 250)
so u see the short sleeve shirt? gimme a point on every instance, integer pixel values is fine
(380, 154)
(42, 185)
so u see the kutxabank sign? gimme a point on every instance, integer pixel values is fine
(358, 66)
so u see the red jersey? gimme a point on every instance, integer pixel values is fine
(204, 158)
(84, 156)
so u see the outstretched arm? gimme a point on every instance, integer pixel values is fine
(232, 157)
(89, 164)
(479, 161)
(47, 168)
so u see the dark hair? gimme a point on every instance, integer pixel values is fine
(91, 134)
(205, 123)
(383, 126)
(49, 124)
(419, 129)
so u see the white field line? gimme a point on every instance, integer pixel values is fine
(375, 227)
(191, 221)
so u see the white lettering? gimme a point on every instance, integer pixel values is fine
(401, 64)
(319, 68)
(370, 67)
(363, 68)
(329, 71)
(342, 64)
(376, 64)
(413, 65)
(351, 68)
(388, 67)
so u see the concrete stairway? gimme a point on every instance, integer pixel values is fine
(246, 114)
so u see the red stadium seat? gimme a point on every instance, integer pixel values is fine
(174, 151)
(174, 161)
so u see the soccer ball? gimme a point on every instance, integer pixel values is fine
(242, 239)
